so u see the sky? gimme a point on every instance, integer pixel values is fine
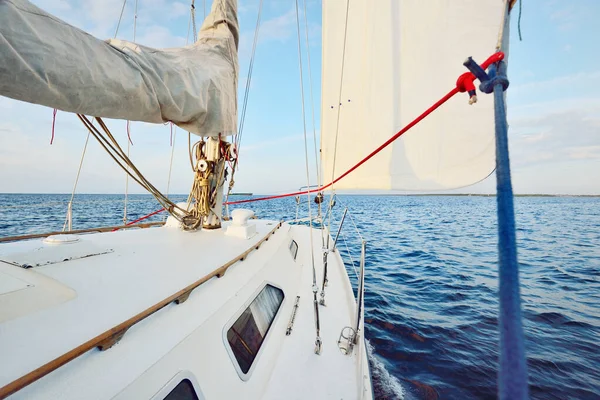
(553, 100)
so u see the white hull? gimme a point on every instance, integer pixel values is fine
(135, 270)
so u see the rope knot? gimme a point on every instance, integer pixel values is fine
(497, 73)
(465, 82)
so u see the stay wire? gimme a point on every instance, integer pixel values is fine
(129, 142)
(315, 288)
(87, 139)
(120, 18)
(312, 102)
(249, 78)
(238, 138)
(337, 124)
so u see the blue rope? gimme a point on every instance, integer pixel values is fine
(519, 23)
(512, 379)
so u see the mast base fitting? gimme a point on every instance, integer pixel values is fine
(212, 226)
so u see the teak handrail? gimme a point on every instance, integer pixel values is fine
(88, 230)
(110, 337)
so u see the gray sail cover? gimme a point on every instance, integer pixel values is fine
(46, 61)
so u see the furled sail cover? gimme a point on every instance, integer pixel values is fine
(44, 60)
(401, 57)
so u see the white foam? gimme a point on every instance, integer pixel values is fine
(390, 385)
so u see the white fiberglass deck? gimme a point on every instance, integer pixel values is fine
(133, 270)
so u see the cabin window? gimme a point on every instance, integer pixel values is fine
(248, 332)
(294, 249)
(183, 391)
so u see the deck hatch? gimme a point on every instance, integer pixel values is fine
(248, 332)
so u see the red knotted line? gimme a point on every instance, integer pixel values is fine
(466, 77)
(142, 218)
(128, 134)
(364, 160)
(53, 124)
(463, 84)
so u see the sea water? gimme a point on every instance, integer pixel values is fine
(431, 283)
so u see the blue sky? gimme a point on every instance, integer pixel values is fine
(554, 104)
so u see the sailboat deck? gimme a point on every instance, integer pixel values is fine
(134, 270)
(331, 374)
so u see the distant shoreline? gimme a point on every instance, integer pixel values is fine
(342, 194)
(490, 195)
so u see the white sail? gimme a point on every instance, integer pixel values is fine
(44, 60)
(401, 57)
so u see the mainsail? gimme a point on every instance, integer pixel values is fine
(46, 61)
(401, 57)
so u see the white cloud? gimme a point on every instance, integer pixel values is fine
(556, 137)
(277, 29)
(179, 10)
(565, 18)
(587, 78)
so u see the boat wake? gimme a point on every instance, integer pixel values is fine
(385, 386)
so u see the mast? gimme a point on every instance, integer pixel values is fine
(209, 179)
(194, 87)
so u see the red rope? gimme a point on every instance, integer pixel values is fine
(142, 218)
(53, 123)
(460, 87)
(128, 134)
(364, 160)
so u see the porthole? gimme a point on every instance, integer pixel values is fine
(247, 334)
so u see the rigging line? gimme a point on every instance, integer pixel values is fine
(349, 254)
(110, 144)
(351, 219)
(126, 181)
(53, 124)
(519, 21)
(129, 142)
(401, 132)
(173, 138)
(187, 37)
(193, 10)
(238, 139)
(135, 19)
(312, 102)
(337, 124)
(87, 139)
(249, 78)
(120, 17)
(315, 289)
